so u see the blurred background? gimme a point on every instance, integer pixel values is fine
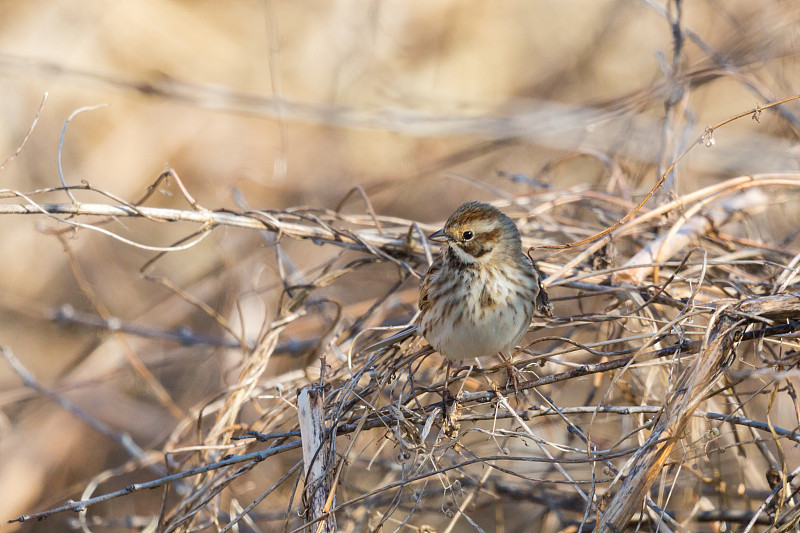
(274, 104)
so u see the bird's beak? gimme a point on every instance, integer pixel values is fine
(438, 236)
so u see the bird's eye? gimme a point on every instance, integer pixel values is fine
(467, 235)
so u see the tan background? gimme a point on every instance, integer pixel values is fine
(294, 103)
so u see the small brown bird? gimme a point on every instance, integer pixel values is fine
(480, 294)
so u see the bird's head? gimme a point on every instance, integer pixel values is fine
(478, 233)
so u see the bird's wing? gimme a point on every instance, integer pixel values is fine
(424, 305)
(424, 301)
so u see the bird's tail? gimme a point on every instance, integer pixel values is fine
(397, 338)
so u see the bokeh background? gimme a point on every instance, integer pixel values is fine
(273, 104)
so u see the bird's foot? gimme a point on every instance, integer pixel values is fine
(513, 376)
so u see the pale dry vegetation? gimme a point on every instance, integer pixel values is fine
(156, 326)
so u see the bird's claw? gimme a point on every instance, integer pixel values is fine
(513, 378)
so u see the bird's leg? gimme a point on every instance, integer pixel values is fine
(446, 396)
(446, 388)
(512, 374)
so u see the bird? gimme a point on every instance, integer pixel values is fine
(480, 294)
